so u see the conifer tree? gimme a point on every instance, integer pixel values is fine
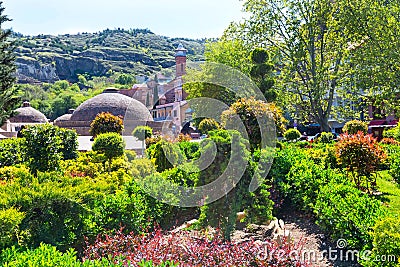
(8, 95)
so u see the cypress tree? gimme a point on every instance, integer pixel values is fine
(8, 94)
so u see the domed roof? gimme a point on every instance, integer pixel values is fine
(113, 102)
(27, 114)
(65, 117)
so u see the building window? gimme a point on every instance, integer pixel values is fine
(175, 113)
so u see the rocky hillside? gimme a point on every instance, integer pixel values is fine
(46, 58)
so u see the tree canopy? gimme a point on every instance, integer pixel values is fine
(327, 51)
(8, 95)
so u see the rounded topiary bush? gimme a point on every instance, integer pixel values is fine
(326, 138)
(207, 125)
(355, 126)
(292, 135)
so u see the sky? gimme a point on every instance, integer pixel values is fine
(172, 18)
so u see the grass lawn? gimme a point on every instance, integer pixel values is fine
(390, 192)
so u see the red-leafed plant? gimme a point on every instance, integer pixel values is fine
(190, 248)
(361, 155)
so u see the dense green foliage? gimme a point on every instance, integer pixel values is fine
(8, 93)
(386, 243)
(42, 147)
(254, 114)
(262, 73)
(326, 138)
(355, 126)
(106, 122)
(142, 132)
(11, 151)
(165, 155)
(110, 144)
(207, 125)
(292, 134)
(340, 208)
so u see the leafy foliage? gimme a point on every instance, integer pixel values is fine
(48, 256)
(252, 112)
(261, 73)
(43, 147)
(142, 132)
(326, 138)
(8, 93)
(191, 248)
(106, 123)
(165, 155)
(355, 126)
(361, 155)
(292, 134)
(386, 241)
(348, 213)
(110, 144)
(207, 125)
(11, 151)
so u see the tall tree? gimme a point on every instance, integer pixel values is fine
(315, 40)
(8, 94)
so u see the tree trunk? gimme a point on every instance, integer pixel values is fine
(323, 122)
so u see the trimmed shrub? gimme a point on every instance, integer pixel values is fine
(190, 149)
(361, 155)
(105, 122)
(389, 141)
(250, 111)
(11, 151)
(348, 213)
(292, 135)
(355, 126)
(386, 242)
(70, 144)
(110, 144)
(207, 125)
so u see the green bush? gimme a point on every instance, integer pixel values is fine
(165, 155)
(106, 122)
(326, 138)
(43, 148)
(190, 149)
(386, 241)
(207, 125)
(70, 144)
(292, 135)
(142, 132)
(111, 145)
(346, 212)
(222, 213)
(355, 126)
(395, 167)
(47, 256)
(10, 219)
(11, 151)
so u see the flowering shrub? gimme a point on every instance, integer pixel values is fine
(361, 155)
(193, 249)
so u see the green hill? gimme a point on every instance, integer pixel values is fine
(47, 58)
